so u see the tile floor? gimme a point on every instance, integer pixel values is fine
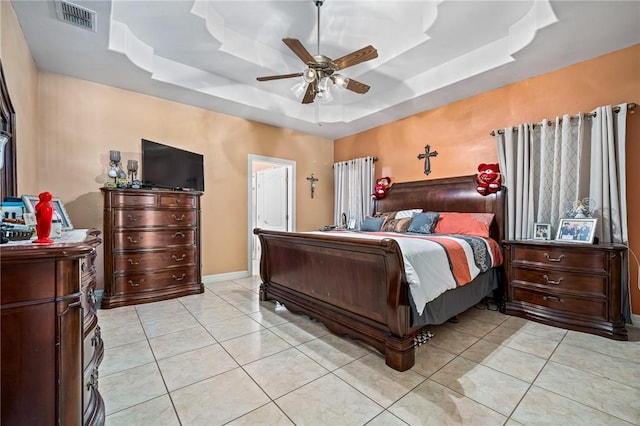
(223, 357)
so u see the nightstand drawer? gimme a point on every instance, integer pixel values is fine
(593, 308)
(589, 285)
(561, 257)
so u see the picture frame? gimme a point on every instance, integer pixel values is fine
(541, 231)
(30, 202)
(577, 230)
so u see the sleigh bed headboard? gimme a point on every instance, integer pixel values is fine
(455, 194)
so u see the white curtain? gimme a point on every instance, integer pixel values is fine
(353, 186)
(548, 166)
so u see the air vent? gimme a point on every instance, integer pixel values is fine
(76, 15)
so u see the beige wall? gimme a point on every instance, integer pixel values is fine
(460, 131)
(77, 122)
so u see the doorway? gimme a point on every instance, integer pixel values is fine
(271, 201)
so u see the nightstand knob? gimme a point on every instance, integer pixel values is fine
(546, 278)
(554, 259)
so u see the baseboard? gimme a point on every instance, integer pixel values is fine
(207, 279)
(636, 320)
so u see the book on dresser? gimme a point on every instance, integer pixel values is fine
(51, 343)
(151, 245)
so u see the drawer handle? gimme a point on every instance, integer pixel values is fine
(178, 259)
(180, 278)
(133, 262)
(134, 218)
(178, 200)
(179, 234)
(92, 296)
(553, 298)
(554, 259)
(132, 241)
(178, 219)
(93, 380)
(546, 278)
(96, 337)
(134, 284)
(84, 267)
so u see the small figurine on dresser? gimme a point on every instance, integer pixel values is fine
(44, 214)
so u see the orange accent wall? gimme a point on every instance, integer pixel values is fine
(460, 131)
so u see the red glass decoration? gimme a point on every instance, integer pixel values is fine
(44, 214)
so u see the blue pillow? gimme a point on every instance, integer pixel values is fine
(423, 223)
(372, 223)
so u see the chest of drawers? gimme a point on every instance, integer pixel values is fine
(567, 285)
(152, 245)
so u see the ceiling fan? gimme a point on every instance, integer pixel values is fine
(322, 69)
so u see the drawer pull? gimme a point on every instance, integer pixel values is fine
(179, 259)
(134, 218)
(179, 234)
(180, 278)
(178, 219)
(96, 337)
(552, 298)
(546, 278)
(84, 267)
(178, 200)
(554, 259)
(93, 380)
(91, 295)
(134, 284)
(133, 262)
(132, 241)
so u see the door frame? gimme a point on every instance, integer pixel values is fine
(251, 200)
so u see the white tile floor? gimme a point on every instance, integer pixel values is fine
(223, 357)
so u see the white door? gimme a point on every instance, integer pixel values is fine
(271, 202)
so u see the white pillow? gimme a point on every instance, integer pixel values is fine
(407, 213)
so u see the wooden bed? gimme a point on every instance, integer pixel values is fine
(357, 287)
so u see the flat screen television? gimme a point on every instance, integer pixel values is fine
(167, 167)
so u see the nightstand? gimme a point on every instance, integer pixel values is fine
(569, 285)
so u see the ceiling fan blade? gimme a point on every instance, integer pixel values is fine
(309, 95)
(301, 52)
(356, 86)
(278, 77)
(365, 54)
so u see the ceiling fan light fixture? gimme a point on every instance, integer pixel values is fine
(309, 75)
(323, 84)
(341, 81)
(298, 89)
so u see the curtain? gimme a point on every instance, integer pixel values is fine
(548, 166)
(353, 186)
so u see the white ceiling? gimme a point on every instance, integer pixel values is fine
(208, 53)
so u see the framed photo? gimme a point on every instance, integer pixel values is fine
(541, 231)
(577, 230)
(30, 202)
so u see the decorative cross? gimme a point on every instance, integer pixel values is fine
(313, 181)
(427, 158)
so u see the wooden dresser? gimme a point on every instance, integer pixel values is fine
(569, 285)
(152, 245)
(51, 342)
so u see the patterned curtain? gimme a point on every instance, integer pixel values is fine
(548, 166)
(353, 186)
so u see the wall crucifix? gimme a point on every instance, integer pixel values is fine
(427, 158)
(313, 181)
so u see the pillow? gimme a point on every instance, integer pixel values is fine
(424, 223)
(396, 225)
(372, 223)
(407, 213)
(464, 223)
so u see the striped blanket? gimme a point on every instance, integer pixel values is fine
(436, 263)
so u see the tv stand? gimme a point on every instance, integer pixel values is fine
(151, 245)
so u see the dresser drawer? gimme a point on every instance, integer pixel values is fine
(128, 240)
(561, 257)
(133, 200)
(146, 218)
(590, 285)
(135, 262)
(592, 308)
(133, 283)
(178, 200)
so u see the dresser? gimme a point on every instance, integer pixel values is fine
(50, 338)
(568, 285)
(151, 245)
